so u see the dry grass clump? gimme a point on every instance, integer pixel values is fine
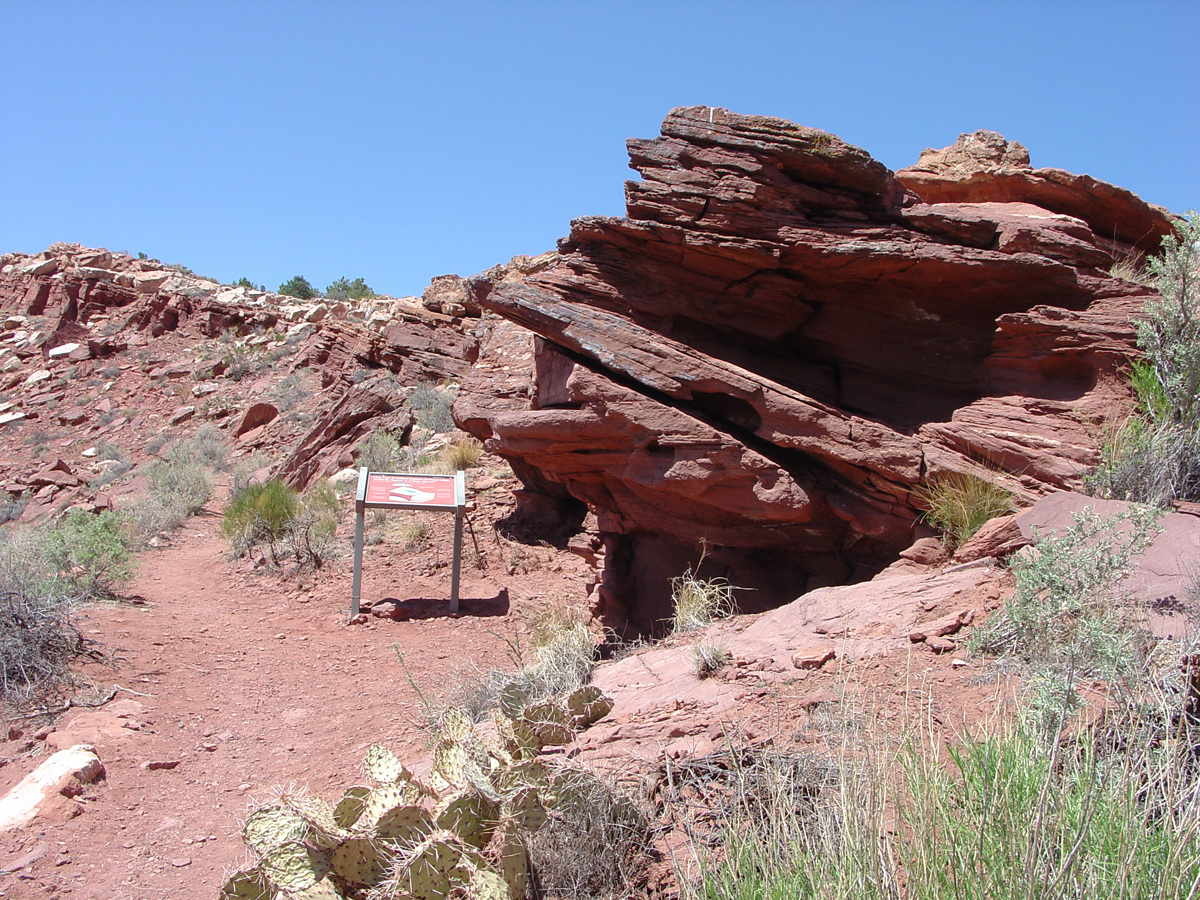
(561, 657)
(697, 601)
(596, 845)
(462, 454)
(708, 657)
(960, 504)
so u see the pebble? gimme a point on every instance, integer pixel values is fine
(180, 861)
(152, 764)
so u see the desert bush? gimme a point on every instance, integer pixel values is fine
(416, 534)
(1149, 462)
(311, 533)
(960, 504)
(206, 446)
(1068, 618)
(240, 361)
(1155, 458)
(38, 640)
(260, 513)
(1006, 816)
(561, 658)
(596, 842)
(381, 452)
(432, 407)
(93, 551)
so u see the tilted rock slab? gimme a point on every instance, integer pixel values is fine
(783, 340)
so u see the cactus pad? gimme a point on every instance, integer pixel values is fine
(524, 809)
(317, 814)
(322, 890)
(547, 724)
(425, 874)
(454, 724)
(588, 705)
(513, 699)
(349, 809)
(271, 826)
(293, 867)
(487, 885)
(361, 860)
(410, 824)
(381, 766)
(507, 850)
(470, 815)
(248, 884)
(379, 801)
(450, 761)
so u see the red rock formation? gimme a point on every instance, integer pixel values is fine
(783, 339)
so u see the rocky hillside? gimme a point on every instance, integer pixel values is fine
(762, 365)
(783, 341)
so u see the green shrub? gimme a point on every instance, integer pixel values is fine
(960, 504)
(93, 551)
(432, 407)
(1068, 618)
(345, 289)
(381, 452)
(1169, 334)
(273, 515)
(261, 513)
(297, 286)
(1156, 457)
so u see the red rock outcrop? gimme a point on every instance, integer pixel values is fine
(783, 339)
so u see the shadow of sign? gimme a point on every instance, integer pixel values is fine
(435, 608)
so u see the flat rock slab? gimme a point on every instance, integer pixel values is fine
(850, 622)
(21, 805)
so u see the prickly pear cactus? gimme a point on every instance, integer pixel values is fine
(458, 832)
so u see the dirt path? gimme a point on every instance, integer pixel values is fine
(245, 684)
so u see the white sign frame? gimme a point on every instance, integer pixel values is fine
(414, 501)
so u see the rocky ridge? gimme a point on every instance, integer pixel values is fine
(783, 341)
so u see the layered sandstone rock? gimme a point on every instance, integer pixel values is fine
(783, 340)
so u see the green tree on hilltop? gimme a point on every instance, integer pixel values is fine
(298, 287)
(345, 289)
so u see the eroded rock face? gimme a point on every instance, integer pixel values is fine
(782, 340)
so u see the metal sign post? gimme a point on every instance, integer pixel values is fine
(399, 490)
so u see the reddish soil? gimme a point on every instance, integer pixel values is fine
(251, 683)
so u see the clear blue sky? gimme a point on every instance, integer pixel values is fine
(398, 141)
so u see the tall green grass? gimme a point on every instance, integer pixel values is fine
(1011, 817)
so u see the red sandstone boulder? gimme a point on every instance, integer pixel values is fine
(782, 341)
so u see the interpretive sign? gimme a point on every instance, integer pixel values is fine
(401, 490)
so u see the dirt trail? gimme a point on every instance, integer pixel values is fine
(249, 683)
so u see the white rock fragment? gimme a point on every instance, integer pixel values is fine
(21, 805)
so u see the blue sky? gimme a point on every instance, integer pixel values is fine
(398, 141)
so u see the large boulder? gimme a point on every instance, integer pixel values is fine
(782, 341)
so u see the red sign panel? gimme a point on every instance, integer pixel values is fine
(414, 491)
